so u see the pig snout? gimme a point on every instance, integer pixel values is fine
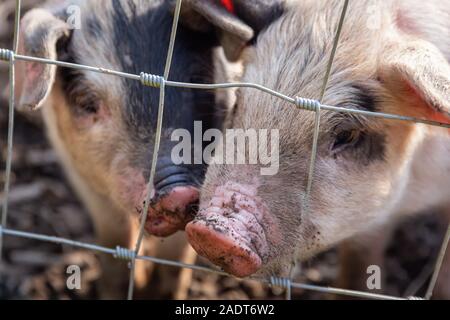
(229, 230)
(172, 211)
(174, 202)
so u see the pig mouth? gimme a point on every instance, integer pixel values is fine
(172, 211)
(229, 231)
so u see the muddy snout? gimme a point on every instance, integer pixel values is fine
(175, 201)
(229, 230)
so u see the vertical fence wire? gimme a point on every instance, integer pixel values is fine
(162, 82)
(316, 107)
(7, 183)
(438, 266)
(150, 185)
(322, 95)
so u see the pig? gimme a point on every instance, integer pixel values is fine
(103, 127)
(393, 57)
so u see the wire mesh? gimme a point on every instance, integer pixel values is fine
(162, 82)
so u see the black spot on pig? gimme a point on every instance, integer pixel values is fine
(364, 98)
(141, 37)
(82, 99)
(372, 145)
(354, 135)
(94, 28)
(361, 97)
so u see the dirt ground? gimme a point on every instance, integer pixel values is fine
(41, 201)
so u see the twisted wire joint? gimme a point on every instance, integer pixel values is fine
(6, 54)
(151, 80)
(307, 104)
(124, 253)
(280, 282)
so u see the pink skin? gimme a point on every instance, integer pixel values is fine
(229, 230)
(168, 214)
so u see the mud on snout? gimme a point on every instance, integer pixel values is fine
(175, 201)
(231, 230)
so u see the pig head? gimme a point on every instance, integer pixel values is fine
(103, 127)
(368, 169)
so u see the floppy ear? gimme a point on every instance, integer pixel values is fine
(236, 24)
(40, 33)
(418, 74)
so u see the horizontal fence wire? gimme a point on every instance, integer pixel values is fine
(296, 101)
(161, 82)
(123, 253)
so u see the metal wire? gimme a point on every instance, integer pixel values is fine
(284, 283)
(439, 262)
(161, 82)
(124, 254)
(333, 51)
(272, 281)
(201, 86)
(150, 185)
(315, 106)
(151, 80)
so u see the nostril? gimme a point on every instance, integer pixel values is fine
(172, 211)
(173, 181)
(180, 199)
(168, 170)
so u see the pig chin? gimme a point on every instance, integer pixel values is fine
(229, 230)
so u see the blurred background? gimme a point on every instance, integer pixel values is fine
(41, 201)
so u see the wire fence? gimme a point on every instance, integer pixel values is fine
(161, 82)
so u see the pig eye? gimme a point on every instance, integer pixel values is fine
(345, 140)
(88, 109)
(86, 103)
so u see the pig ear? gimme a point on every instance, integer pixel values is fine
(419, 75)
(40, 33)
(236, 22)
